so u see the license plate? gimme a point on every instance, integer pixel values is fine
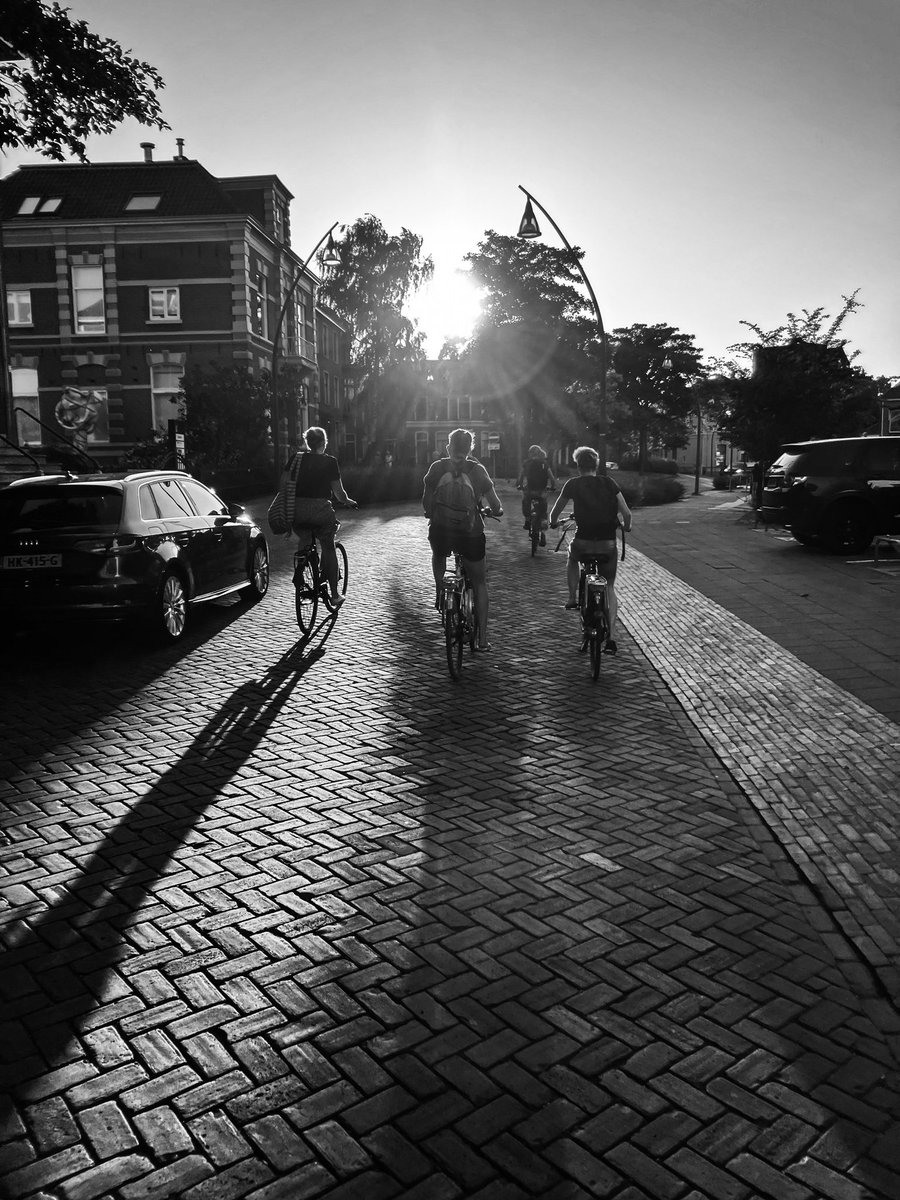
(30, 562)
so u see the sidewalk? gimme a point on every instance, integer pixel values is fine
(286, 923)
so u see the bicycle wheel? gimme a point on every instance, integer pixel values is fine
(535, 532)
(470, 618)
(343, 576)
(453, 636)
(306, 591)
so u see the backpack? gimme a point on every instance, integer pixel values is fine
(537, 476)
(454, 507)
(596, 506)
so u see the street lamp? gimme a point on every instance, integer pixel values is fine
(331, 258)
(529, 228)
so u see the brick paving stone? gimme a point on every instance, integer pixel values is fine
(611, 955)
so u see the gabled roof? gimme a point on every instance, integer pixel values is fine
(100, 191)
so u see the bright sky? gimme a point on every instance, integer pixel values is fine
(717, 160)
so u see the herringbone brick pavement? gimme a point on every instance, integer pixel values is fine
(301, 922)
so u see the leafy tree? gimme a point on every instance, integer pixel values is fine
(654, 367)
(226, 419)
(74, 82)
(802, 384)
(534, 352)
(378, 274)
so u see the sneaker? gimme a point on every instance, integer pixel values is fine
(484, 649)
(337, 601)
(610, 646)
(527, 526)
(571, 604)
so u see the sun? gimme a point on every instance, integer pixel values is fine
(446, 307)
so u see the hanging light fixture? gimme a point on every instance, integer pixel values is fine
(528, 226)
(331, 257)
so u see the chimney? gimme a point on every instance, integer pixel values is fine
(148, 148)
(179, 157)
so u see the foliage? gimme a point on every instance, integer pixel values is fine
(654, 366)
(74, 82)
(150, 453)
(226, 419)
(378, 274)
(653, 466)
(802, 385)
(534, 352)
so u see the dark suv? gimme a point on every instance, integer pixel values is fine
(146, 544)
(840, 492)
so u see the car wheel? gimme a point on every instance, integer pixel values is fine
(259, 575)
(849, 529)
(170, 616)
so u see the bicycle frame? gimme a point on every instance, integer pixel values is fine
(309, 585)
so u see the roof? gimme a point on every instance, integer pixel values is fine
(100, 191)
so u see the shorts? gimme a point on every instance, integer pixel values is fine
(468, 545)
(314, 515)
(582, 548)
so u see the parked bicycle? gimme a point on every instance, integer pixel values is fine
(458, 615)
(310, 586)
(593, 601)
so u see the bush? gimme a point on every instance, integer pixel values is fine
(653, 466)
(643, 491)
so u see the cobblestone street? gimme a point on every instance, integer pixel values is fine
(290, 922)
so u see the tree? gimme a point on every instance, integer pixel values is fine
(534, 352)
(377, 275)
(72, 84)
(802, 384)
(226, 419)
(654, 366)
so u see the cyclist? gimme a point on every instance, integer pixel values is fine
(534, 480)
(318, 477)
(463, 534)
(599, 506)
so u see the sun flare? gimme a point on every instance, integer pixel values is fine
(446, 307)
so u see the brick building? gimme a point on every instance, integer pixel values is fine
(120, 277)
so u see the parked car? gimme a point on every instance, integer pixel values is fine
(840, 491)
(145, 545)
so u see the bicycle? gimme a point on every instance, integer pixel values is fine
(593, 600)
(458, 615)
(310, 586)
(537, 522)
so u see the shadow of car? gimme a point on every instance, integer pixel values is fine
(143, 546)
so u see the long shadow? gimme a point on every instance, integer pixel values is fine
(55, 967)
(609, 978)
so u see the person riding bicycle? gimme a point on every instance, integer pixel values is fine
(599, 506)
(456, 487)
(534, 480)
(317, 477)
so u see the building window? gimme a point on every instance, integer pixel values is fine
(258, 303)
(18, 308)
(165, 395)
(87, 297)
(142, 203)
(36, 206)
(25, 395)
(165, 304)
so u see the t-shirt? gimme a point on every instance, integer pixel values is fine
(316, 474)
(537, 475)
(596, 502)
(481, 481)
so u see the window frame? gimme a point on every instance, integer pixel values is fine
(33, 399)
(13, 304)
(84, 328)
(165, 290)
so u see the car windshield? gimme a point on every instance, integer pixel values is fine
(52, 509)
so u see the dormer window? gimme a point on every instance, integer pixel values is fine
(143, 203)
(38, 205)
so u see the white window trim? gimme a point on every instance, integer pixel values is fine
(164, 320)
(13, 304)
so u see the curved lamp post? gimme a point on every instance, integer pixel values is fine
(529, 228)
(331, 258)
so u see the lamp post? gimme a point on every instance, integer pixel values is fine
(331, 258)
(699, 450)
(529, 228)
